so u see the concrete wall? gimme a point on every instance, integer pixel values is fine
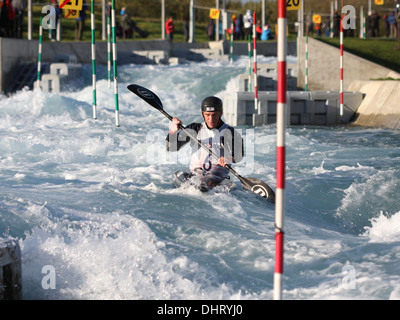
(324, 67)
(265, 48)
(126, 49)
(13, 53)
(82, 50)
(381, 105)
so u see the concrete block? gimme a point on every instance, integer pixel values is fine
(380, 107)
(320, 106)
(72, 71)
(50, 82)
(303, 108)
(66, 58)
(59, 68)
(176, 61)
(61, 74)
(265, 82)
(154, 56)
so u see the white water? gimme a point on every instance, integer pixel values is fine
(96, 203)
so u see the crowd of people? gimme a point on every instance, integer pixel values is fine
(390, 24)
(12, 18)
(373, 25)
(242, 28)
(12, 23)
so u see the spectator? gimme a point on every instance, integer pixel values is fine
(80, 23)
(309, 24)
(4, 21)
(392, 25)
(186, 29)
(336, 24)
(170, 28)
(387, 25)
(7, 18)
(211, 30)
(267, 34)
(327, 27)
(373, 25)
(127, 24)
(318, 29)
(53, 32)
(19, 7)
(248, 24)
(239, 27)
(258, 30)
(397, 15)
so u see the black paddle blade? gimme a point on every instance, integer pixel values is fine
(147, 95)
(259, 187)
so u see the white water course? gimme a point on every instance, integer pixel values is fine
(94, 203)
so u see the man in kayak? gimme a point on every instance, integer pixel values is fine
(221, 138)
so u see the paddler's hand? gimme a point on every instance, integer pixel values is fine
(223, 161)
(175, 125)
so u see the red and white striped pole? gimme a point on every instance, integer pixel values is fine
(255, 63)
(280, 149)
(341, 64)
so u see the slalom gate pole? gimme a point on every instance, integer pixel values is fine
(362, 22)
(280, 149)
(364, 27)
(306, 79)
(255, 62)
(249, 49)
(231, 46)
(341, 64)
(109, 50)
(331, 22)
(93, 60)
(39, 69)
(114, 45)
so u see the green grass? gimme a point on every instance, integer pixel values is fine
(381, 51)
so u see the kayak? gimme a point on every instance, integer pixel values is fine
(202, 181)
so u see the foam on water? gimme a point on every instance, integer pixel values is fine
(96, 202)
(384, 228)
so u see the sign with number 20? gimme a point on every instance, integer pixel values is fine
(293, 4)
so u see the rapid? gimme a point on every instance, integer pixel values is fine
(96, 202)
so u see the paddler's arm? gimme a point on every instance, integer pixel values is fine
(174, 140)
(233, 145)
(174, 127)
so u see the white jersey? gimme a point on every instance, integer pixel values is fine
(224, 142)
(211, 138)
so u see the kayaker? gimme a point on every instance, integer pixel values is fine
(221, 138)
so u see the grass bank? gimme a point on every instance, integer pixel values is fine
(381, 51)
